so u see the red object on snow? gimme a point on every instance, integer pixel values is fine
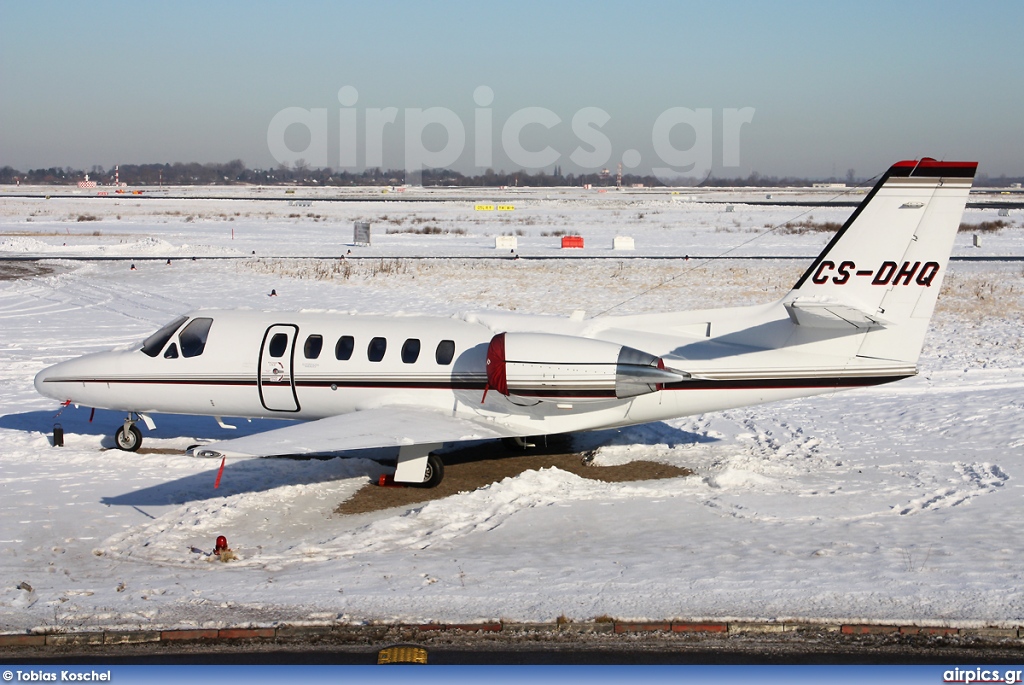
(572, 241)
(220, 472)
(222, 544)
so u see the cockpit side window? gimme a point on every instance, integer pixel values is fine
(193, 337)
(154, 343)
(172, 351)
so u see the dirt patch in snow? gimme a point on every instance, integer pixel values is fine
(470, 468)
(12, 271)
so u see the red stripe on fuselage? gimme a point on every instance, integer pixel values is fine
(731, 384)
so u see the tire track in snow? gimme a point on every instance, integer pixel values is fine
(161, 541)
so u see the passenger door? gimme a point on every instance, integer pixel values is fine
(276, 380)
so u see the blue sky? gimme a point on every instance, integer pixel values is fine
(832, 86)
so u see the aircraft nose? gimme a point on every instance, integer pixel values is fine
(41, 380)
(45, 386)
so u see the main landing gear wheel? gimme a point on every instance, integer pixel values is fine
(128, 438)
(434, 474)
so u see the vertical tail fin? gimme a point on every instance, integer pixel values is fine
(884, 268)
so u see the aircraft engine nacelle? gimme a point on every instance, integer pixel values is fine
(546, 366)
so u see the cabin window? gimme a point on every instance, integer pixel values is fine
(154, 343)
(343, 350)
(445, 352)
(411, 351)
(314, 344)
(376, 349)
(172, 351)
(193, 337)
(278, 344)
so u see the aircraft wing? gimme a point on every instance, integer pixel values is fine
(393, 426)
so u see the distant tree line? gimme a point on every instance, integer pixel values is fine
(236, 173)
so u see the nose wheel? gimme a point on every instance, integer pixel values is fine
(128, 437)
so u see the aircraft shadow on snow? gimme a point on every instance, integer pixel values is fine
(264, 474)
(248, 476)
(105, 422)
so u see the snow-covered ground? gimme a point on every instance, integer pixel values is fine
(899, 503)
(687, 223)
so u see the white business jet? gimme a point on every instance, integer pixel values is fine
(857, 317)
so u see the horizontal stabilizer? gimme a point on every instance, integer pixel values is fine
(818, 314)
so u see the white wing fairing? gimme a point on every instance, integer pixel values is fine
(857, 317)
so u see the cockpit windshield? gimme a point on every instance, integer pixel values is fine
(193, 337)
(154, 343)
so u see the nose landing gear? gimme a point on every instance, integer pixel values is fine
(128, 437)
